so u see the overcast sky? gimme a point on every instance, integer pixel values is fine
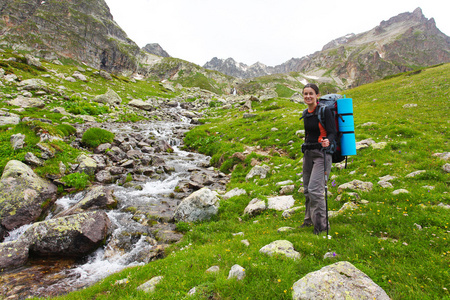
(250, 31)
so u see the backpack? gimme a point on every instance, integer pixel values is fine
(330, 101)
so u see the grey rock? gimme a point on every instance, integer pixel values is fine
(339, 281)
(138, 103)
(150, 285)
(356, 185)
(97, 197)
(13, 254)
(237, 272)
(73, 236)
(281, 202)
(17, 141)
(200, 205)
(33, 160)
(24, 196)
(110, 97)
(233, 193)
(260, 171)
(255, 207)
(86, 164)
(26, 102)
(282, 247)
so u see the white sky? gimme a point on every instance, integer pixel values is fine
(250, 31)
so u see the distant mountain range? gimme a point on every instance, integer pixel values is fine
(402, 43)
(85, 31)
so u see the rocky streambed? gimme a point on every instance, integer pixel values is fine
(125, 219)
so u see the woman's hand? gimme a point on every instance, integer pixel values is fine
(325, 143)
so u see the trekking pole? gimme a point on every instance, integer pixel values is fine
(326, 185)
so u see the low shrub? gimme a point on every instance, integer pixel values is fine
(93, 137)
(78, 181)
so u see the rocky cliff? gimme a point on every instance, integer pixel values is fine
(402, 43)
(83, 30)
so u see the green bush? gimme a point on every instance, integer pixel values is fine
(78, 181)
(93, 137)
(66, 129)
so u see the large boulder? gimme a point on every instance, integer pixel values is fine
(33, 84)
(110, 97)
(24, 196)
(138, 103)
(338, 281)
(25, 102)
(200, 205)
(74, 235)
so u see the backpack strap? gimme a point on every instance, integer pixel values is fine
(305, 112)
(321, 115)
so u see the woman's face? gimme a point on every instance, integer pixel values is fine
(309, 96)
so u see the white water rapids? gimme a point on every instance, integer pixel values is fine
(154, 193)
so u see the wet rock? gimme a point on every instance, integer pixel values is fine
(341, 280)
(202, 178)
(13, 254)
(200, 205)
(97, 197)
(24, 196)
(73, 236)
(165, 233)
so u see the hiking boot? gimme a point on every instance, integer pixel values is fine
(317, 231)
(304, 225)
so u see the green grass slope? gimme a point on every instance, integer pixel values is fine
(400, 241)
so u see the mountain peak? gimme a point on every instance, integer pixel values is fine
(155, 49)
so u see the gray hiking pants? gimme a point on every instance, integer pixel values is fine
(314, 188)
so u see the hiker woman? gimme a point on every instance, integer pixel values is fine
(317, 139)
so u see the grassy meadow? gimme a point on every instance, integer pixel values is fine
(400, 241)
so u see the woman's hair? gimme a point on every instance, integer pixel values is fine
(313, 86)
